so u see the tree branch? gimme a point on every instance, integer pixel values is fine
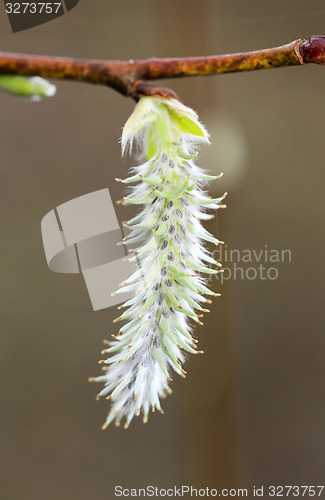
(130, 77)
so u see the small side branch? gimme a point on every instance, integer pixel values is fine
(130, 78)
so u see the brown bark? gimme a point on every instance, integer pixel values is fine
(130, 77)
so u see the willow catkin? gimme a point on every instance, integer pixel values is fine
(167, 237)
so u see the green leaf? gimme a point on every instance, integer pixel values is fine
(33, 88)
(151, 148)
(185, 124)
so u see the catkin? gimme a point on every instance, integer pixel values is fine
(167, 239)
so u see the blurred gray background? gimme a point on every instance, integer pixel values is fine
(252, 409)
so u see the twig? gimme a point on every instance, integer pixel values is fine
(130, 77)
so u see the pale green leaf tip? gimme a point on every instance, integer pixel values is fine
(34, 88)
(160, 115)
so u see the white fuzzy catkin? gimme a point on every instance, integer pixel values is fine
(168, 237)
